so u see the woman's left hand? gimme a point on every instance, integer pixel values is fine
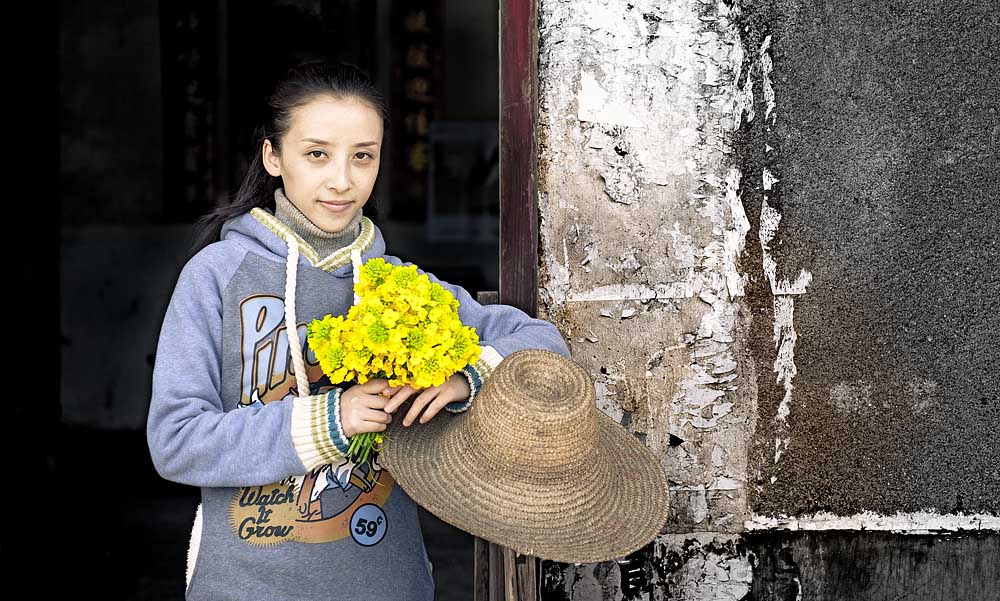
(455, 388)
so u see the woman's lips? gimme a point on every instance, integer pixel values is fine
(336, 207)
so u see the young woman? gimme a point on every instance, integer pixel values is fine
(241, 408)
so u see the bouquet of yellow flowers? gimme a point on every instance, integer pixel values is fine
(403, 328)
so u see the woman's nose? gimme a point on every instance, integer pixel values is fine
(339, 178)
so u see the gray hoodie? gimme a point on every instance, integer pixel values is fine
(283, 515)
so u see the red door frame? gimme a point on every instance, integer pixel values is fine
(518, 156)
(500, 574)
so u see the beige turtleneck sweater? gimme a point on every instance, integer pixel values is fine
(323, 241)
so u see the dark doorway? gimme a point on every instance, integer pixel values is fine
(159, 101)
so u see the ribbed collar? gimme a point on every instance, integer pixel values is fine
(369, 242)
(323, 242)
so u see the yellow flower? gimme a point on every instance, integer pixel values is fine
(404, 328)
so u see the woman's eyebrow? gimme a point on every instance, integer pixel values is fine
(325, 143)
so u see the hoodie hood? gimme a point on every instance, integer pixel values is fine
(264, 234)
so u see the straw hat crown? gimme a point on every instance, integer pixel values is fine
(536, 420)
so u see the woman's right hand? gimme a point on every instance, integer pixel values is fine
(361, 408)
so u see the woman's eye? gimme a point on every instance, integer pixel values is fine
(313, 152)
(362, 155)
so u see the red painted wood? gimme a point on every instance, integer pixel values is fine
(518, 175)
(518, 579)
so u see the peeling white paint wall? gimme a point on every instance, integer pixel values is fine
(783, 291)
(642, 228)
(711, 568)
(924, 522)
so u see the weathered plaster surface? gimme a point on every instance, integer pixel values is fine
(874, 566)
(641, 229)
(878, 389)
(923, 522)
(681, 567)
(702, 567)
(737, 270)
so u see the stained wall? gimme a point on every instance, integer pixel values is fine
(768, 231)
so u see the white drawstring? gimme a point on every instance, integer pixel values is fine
(294, 345)
(356, 261)
(295, 348)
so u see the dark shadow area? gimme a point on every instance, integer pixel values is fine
(873, 565)
(132, 542)
(157, 104)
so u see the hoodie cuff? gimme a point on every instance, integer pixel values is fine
(317, 433)
(477, 374)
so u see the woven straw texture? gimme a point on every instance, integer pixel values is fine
(533, 465)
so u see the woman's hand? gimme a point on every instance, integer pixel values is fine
(362, 408)
(455, 388)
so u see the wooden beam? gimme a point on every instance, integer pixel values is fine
(480, 569)
(499, 574)
(518, 156)
(511, 576)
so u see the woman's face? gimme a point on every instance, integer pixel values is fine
(329, 159)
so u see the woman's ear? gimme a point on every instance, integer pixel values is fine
(270, 159)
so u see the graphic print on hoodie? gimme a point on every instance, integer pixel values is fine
(327, 503)
(277, 496)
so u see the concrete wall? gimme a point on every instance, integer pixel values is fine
(885, 134)
(769, 232)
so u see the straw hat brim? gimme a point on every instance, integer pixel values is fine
(620, 509)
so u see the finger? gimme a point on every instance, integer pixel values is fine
(373, 401)
(368, 422)
(372, 415)
(362, 400)
(389, 391)
(418, 405)
(399, 398)
(374, 386)
(370, 426)
(433, 409)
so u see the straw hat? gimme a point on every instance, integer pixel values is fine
(534, 465)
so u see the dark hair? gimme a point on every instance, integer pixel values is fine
(301, 85)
